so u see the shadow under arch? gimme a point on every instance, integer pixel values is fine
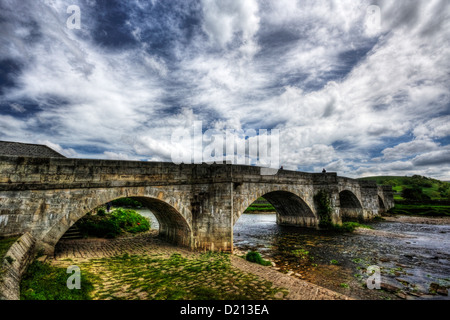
(291, 210)
(351, 208)
(381, 206)
(173, 226)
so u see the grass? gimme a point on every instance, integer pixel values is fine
(111, 225)
(435, 195)
(209, 276)
(260, 205)
(45, 282)
(259, 208)
(302, 253)
(5, 244)
(433, 188)
(255, 257)
(421, 209)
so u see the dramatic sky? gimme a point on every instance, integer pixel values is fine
(355, 92)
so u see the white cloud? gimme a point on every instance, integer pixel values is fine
(436, 157)
(224, 19)
(434, 128)
(408, 149)
(295, 66)
(118, 156)
(67, 152)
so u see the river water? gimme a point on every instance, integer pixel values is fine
(413, 258)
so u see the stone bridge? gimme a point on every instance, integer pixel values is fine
(196, 205)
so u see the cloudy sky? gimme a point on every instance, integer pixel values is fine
(351, 88)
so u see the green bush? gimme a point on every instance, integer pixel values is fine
(130, 221)
(255, 257)
(101, 212)
(322, 201)
(110, 225)
(349, 226)
(414, 193)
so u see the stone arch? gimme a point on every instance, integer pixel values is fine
(350, 206)
(174, 217)
(291, 208)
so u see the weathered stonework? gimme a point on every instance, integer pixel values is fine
(16, 260)
(196, 205)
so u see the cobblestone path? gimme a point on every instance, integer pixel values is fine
(126, 268)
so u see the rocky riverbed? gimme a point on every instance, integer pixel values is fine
(413, 254)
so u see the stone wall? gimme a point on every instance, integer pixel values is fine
(14, 264)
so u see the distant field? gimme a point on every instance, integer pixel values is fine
(260, 205)
(421, 209)
(436, 199)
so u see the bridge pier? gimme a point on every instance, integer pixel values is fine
(211, 206)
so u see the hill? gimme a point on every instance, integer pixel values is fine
(417, 195)
(432, 188)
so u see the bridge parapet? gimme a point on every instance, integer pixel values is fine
(196, 203)
(27, 173)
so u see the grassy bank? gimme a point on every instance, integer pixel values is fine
(261, 205)
(5, 244)
(46, 282)
(421, 209)
(209, 276)
(112, 224)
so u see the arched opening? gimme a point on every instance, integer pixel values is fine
(291, 210)
(381, 206)
(170, 224)
(351, 208)
(127, 206)
(267, 217)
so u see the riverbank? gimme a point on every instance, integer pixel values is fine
(144, 267)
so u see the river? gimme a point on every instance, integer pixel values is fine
(413, 256)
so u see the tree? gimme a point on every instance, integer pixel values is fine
(414, 193)
(444, 190)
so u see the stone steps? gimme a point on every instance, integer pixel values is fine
(72, 233)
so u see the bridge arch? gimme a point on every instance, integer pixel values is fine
(292, 208)
(174, 218)
(350, 206)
